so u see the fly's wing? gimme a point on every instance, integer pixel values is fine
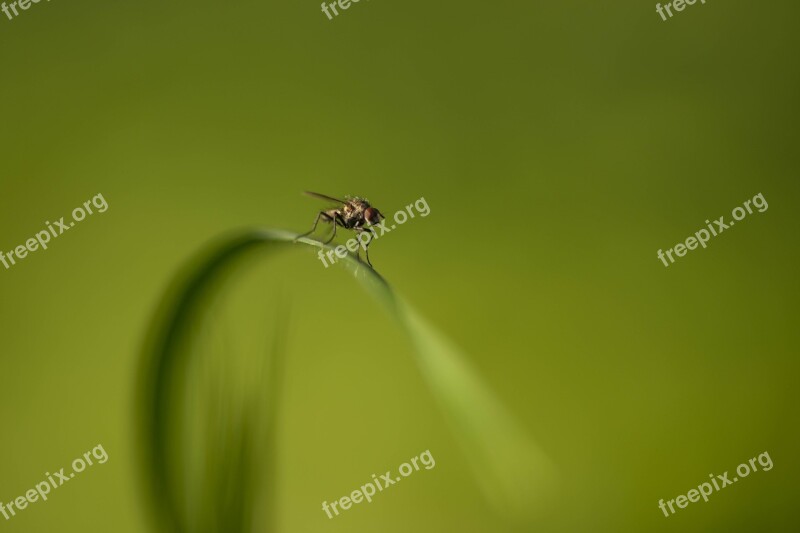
(325, 197)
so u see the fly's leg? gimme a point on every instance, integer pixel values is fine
(359, 231)
(366, 248)
(320, 215)
(336, 221)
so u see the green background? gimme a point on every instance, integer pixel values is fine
(559, 146)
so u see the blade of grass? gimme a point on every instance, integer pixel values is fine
(511, 470)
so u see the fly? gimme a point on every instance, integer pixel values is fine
(354, 213)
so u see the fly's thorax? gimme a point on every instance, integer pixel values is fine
(356, 207)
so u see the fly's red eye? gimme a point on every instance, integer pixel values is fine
(372, 215)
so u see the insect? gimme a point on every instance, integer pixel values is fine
(355, 213)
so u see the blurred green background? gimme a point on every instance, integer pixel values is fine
(559, 146)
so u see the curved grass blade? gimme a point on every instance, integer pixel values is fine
(513, 473)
